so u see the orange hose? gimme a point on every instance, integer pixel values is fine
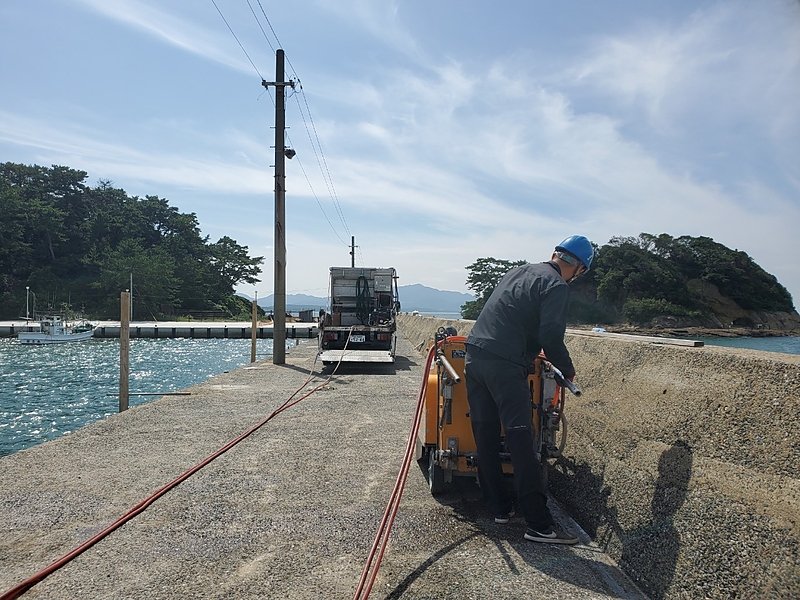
(370, 571)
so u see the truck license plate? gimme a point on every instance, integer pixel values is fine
(358, 338)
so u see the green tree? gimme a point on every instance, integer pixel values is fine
(630, 268)
(155, 280)
(483, 276)
(67, 240)
(735, 274)
(232, 264)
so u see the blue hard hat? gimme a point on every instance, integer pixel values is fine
(579, 247)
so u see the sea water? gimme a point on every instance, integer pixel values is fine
(51, 390)
(789, 344)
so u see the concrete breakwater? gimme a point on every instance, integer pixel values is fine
(681, 463)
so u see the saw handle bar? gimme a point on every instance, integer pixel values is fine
(564, 382)
(451, 372)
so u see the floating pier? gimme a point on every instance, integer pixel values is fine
(177, 329)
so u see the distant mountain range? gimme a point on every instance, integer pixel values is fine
(412, 297)
(427, 299)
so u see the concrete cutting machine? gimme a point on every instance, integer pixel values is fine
(445, 444)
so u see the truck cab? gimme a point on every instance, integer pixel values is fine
(360, 324)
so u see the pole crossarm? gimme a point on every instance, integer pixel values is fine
(291, 83)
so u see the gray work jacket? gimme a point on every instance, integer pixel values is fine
(526, 313)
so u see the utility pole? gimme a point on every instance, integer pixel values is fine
(279, 304)
(353, 251)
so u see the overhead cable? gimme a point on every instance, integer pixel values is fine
(311, 187)
(323, 163)
(258, 22)
(319, 155)
(237, 40)
(291, 66)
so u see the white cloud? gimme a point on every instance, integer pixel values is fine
(174, 30)
(731, 61)
(84, 149)
(377, 19)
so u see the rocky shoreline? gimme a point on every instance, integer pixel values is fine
(692, 332)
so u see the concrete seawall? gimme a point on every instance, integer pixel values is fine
(682, 463)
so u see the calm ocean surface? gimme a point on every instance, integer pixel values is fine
(49, 391)
(788, 345)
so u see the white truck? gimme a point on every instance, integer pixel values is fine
(360, 325)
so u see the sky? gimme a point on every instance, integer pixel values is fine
(435, 132)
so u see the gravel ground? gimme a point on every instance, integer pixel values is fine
(288, 513)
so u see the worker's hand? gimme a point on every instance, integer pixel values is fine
(571, 377)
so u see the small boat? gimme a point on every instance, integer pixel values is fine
(54, 330)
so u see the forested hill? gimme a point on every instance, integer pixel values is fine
(662, 281)
(680, 281)
(78, 244)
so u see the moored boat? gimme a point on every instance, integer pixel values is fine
(54, 330)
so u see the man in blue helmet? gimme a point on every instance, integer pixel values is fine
(526, 313)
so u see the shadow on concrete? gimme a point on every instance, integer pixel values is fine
(564, 563)
(298, 368)
(401, 587)
(649, 553)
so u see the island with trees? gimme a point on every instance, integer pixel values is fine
(79, 245)
(664, 282)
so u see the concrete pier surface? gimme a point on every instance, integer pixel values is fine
(288, 513)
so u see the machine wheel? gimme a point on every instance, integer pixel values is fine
(435, 474)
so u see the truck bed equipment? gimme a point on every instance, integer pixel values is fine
(360, 325)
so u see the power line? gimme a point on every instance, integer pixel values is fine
(319, 203)
(328, 179)
(291, 66)
(310, 186)
(258, 22)
(237, 39)
(322, 162)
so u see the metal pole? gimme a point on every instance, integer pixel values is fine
(253, 325)
(27, 309)
(124, 343)
(131, 296)
(352, 251)
(279, 308)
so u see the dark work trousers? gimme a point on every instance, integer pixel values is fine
(498, 392)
